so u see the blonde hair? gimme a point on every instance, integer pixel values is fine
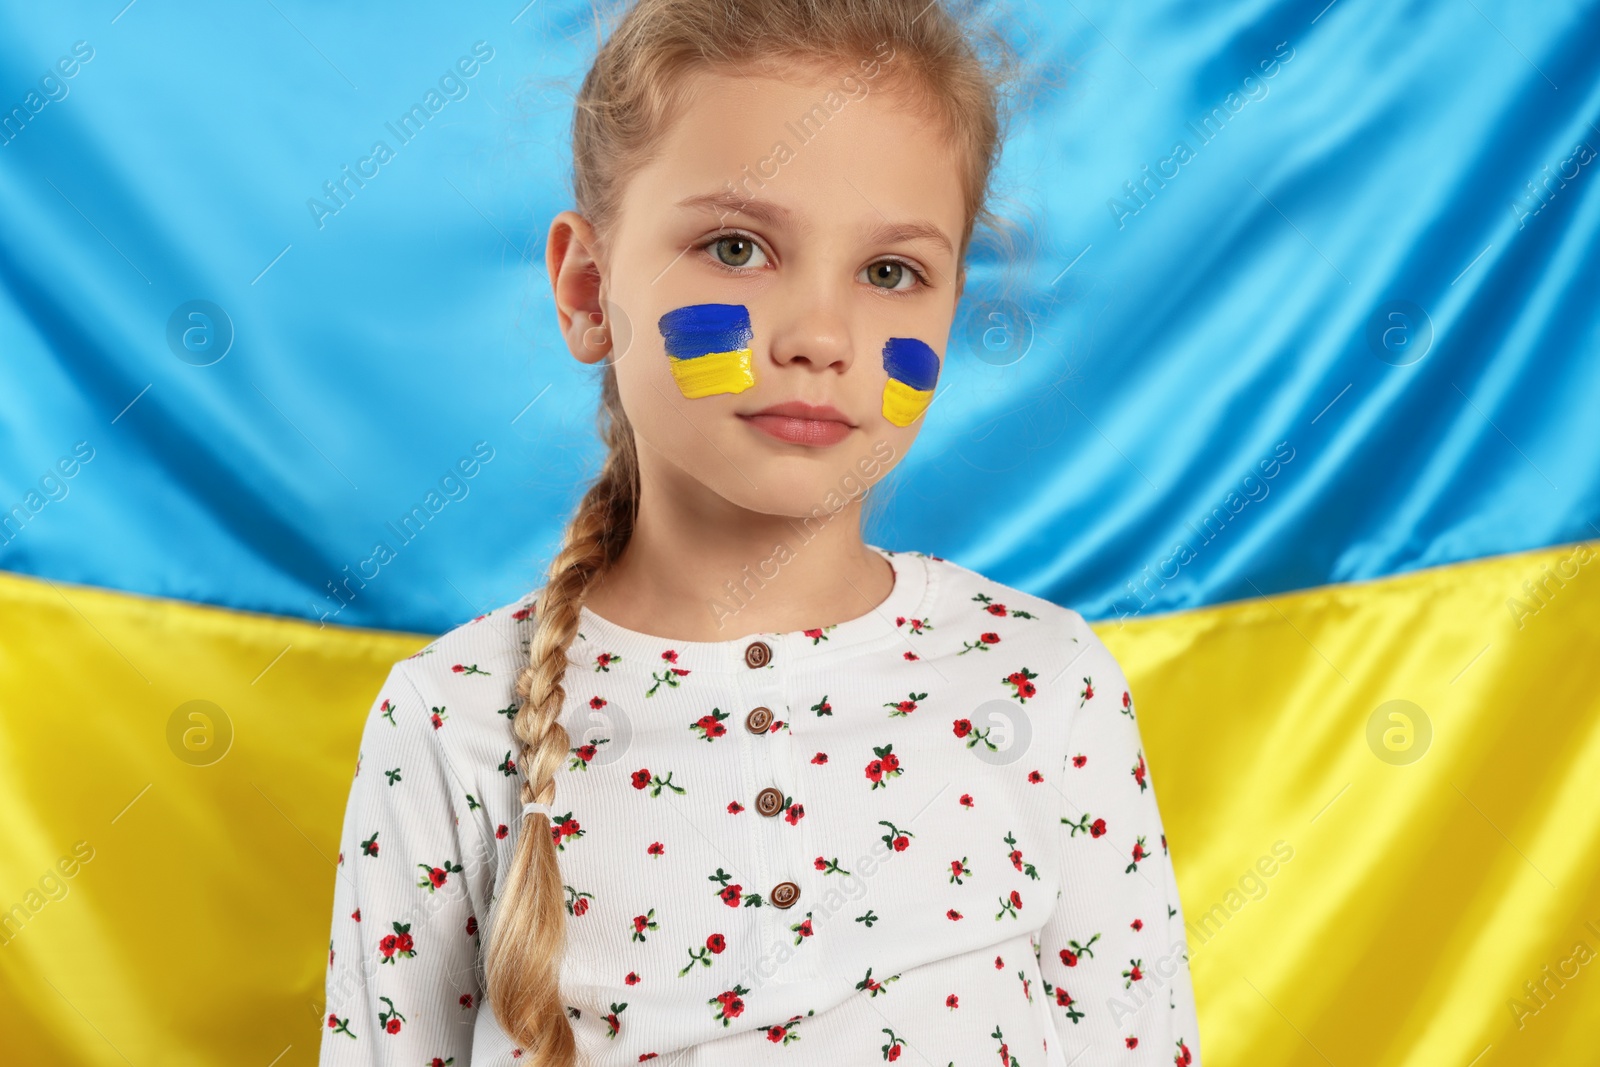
(625, 104)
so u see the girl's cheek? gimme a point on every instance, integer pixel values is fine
(913, 368)
(708, 346)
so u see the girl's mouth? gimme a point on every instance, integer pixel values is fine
(802, 423)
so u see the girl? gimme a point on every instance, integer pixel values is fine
(734, 786)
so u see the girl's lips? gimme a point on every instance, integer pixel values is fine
(815, 432)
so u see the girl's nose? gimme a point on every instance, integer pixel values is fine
(809, 322)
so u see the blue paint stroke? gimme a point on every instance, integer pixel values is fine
(911, 361)
(701, 329)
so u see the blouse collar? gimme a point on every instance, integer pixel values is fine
(882, 627)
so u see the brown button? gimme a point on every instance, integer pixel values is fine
(758, 720)
(757, 654)
(784, 894)
(769, 801)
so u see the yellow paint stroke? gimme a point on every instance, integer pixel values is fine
(902, 404)
(714, 372)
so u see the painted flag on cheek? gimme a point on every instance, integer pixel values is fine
(708, 346)
(913, 369)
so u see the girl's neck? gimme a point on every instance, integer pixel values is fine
(767, 577)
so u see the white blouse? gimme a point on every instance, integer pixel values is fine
(927, 833)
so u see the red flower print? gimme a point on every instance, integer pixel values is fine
(710, 726)
(1097, 828)
(472, 925)
(734, 807)
(951, 1001)
(501, 831)
(1079, 760)
(356, 915)
(656, 849)
(966, 801)
(1016, 899)
(716, 943)
(901, 843)
(521, 614)
(1088, 690)
(1132, 1042)
(597, 702)
(631, 979)
(989, 638)
(1021, 684)
(435, 877)
(670, 656)
(996, 609)
(886, 766)
(369, 847)
(641, 778)
(905, 707)
(952, 914)
(437, 718)
(1183, 1057)
(580, 907)
(1034, 777)
(390, 1020)
(340, 1026)
(730, 1004)
(963, 727)
(730, 895)
(469, 668)
(466, 1000)
(820, 758)
(1137, 924)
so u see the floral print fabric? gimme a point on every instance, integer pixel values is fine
(928, 833)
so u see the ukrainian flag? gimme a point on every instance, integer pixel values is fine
(1293, 399)
(913, 368)
(708, 346)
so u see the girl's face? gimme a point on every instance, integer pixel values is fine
(793, 242)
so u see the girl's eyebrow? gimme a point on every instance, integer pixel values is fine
(726, 202)
(890, 232)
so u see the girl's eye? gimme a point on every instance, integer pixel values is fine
(889, 273)
(735, 250)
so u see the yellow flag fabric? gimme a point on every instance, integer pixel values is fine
(1381, 799)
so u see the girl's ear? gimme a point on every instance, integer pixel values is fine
(575, 279)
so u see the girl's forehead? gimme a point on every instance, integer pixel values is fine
(825, 148)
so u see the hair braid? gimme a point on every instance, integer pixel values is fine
(523, 962)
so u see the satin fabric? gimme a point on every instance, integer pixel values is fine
(1339, 904)
(1159, 345)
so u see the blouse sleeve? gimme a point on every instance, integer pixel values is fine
(1113, 954)
(402, 983)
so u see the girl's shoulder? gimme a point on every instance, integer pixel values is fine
(964, 592)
